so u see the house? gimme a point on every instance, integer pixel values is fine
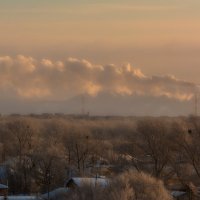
(4, 191)
(80, 181)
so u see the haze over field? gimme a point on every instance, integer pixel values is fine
(124, 58)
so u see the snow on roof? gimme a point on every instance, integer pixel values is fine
(3, 186)
(177, 193)
(90, 181)
(54, 194)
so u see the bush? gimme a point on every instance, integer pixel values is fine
(134, 185)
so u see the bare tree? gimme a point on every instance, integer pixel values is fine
(22, 136)
(49, 163)
(155, 144)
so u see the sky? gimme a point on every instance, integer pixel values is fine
(40, 40)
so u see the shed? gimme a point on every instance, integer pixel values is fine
(179, 195)
(3, 190)
(55, 194)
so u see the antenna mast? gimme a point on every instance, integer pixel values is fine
(196, 104)
(83, 104)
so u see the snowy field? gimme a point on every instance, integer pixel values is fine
(20, 198)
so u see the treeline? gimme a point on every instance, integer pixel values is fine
(39, 154)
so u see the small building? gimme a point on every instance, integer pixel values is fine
(187, 192)
(179, 195)
(55, 194)
(75, 182)
(4, 191)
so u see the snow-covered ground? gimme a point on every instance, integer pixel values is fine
(53, 194)
(20, 198)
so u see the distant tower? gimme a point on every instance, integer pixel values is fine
(83, 104)
(196, 104)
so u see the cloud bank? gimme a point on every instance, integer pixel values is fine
(31, 79)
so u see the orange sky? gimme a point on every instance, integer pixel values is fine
(161, 37)
(54, 50)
